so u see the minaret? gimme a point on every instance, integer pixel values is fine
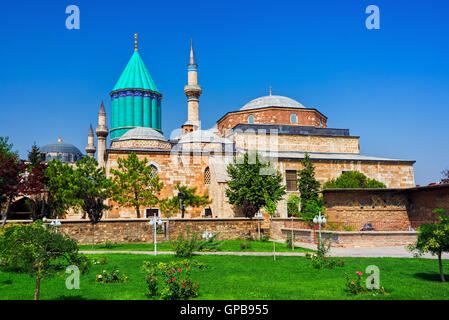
(193, 91)
(90, 149)
(102, 133)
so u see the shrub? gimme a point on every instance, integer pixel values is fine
(245, 245)
(111, 277)
(209, 244)
(289, 241)
(293, 205)
(353, 179)
(320, 258)
(356, 287)
(264, 238)
(171, 281)
(108, 244)
(99, 261)
(185, 246)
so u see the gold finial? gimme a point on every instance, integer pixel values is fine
(60, 139)
(135, 41)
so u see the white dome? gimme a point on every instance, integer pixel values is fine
(142, 133)
(272, 101)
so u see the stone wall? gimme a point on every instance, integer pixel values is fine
(138, 230)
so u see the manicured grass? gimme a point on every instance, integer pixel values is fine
(246, 277)
(226, 245)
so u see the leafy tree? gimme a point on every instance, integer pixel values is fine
(308, 186)
(11, 177)
(34, 157)
(293, 205)
(445, 178)
(353, 179)
(38, 251)
(434, 238)
(35, 186)
(133, 183)
(189, 199)
(249, 183)
(6, 148)
(92, 189)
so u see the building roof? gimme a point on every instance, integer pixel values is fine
(142, 133)
(290, 129)
(135, 76)
(272, 101)
(202, 136)
(60, 147)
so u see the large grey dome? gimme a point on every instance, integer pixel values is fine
(272, 101)
(66, 152)
(142, 133)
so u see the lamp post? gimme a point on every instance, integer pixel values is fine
(155, 222)
(56, 223)
(258, 215)
(181, 203)
(319, 219)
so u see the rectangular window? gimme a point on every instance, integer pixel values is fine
(291, 177)
(149, 213)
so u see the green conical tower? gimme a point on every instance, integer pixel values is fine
(136, 101)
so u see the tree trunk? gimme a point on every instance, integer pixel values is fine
(182, 213)
(38, 286)
(5, 215)
(441, 268)
(93, 235)
(138, 211)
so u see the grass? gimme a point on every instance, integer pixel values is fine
(226, 245)
(246, 277)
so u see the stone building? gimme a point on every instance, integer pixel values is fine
(280, 128)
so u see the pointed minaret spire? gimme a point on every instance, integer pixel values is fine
(192, 60)
(102, 110)
(90, 149)
(135, 41)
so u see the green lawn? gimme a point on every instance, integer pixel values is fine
(246, 277)
(226, 245)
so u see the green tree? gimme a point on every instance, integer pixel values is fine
(133, 183)
(293, 205)
(189, 199)
(251, 178)
(308, 187)
(6, 148)
(38, 251)
(34, 157)
(434, 238)
(353, 179)
(92, 189)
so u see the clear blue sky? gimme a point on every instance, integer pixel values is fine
(388, 86)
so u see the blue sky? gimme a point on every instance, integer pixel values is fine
(388, 86)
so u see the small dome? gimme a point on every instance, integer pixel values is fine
(66, 152)
(142, 133)
(272, 101)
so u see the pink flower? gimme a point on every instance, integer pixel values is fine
(173, 279)
(182, 286)
(325, 257)
(179, 270)
(169, 281)
(358, 273)
(352, 282)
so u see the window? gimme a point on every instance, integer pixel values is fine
(149, 213)
(291, 178)
(251, 119)
(207, 176)
(293, 118)
(153, 171)
(208, 212)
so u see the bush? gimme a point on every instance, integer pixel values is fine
(320, 258)
(185, 246)
(99, 261)
(111, 277)
(289, 241)
(353, 179)
(171, 281)
(264, 238)
(209, 244)
(293, 205)
(245, 245)
(355, 287)
(108, 244)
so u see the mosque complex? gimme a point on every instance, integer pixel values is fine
(278, 127)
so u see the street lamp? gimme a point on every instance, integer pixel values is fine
(258, 215)
(207, 235)
(56, 223)
(155, 222)
(319, 219)
(181, 203)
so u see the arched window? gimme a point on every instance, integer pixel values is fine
(250, 119)
(153, 171)
(293, 118)
(207, 175)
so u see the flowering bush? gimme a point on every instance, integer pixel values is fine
(319, 261)
(245, 245)
(171, 281)
(356, 287)
(110, 277)
(99, 261)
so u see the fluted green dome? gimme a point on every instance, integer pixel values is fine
(135, 75)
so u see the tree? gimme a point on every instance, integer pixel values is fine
(38, 251)
(133, 183)
(34, 157)
(353, 179)
(445, 178)
(12, 171)
(35, 186)
(308, 187)
(189, 199)
(92, 189)
(434, 238)
(250, 181)
(293, 205)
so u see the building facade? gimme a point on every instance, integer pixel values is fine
(278, 127)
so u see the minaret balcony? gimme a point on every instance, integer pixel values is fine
(192, 90)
